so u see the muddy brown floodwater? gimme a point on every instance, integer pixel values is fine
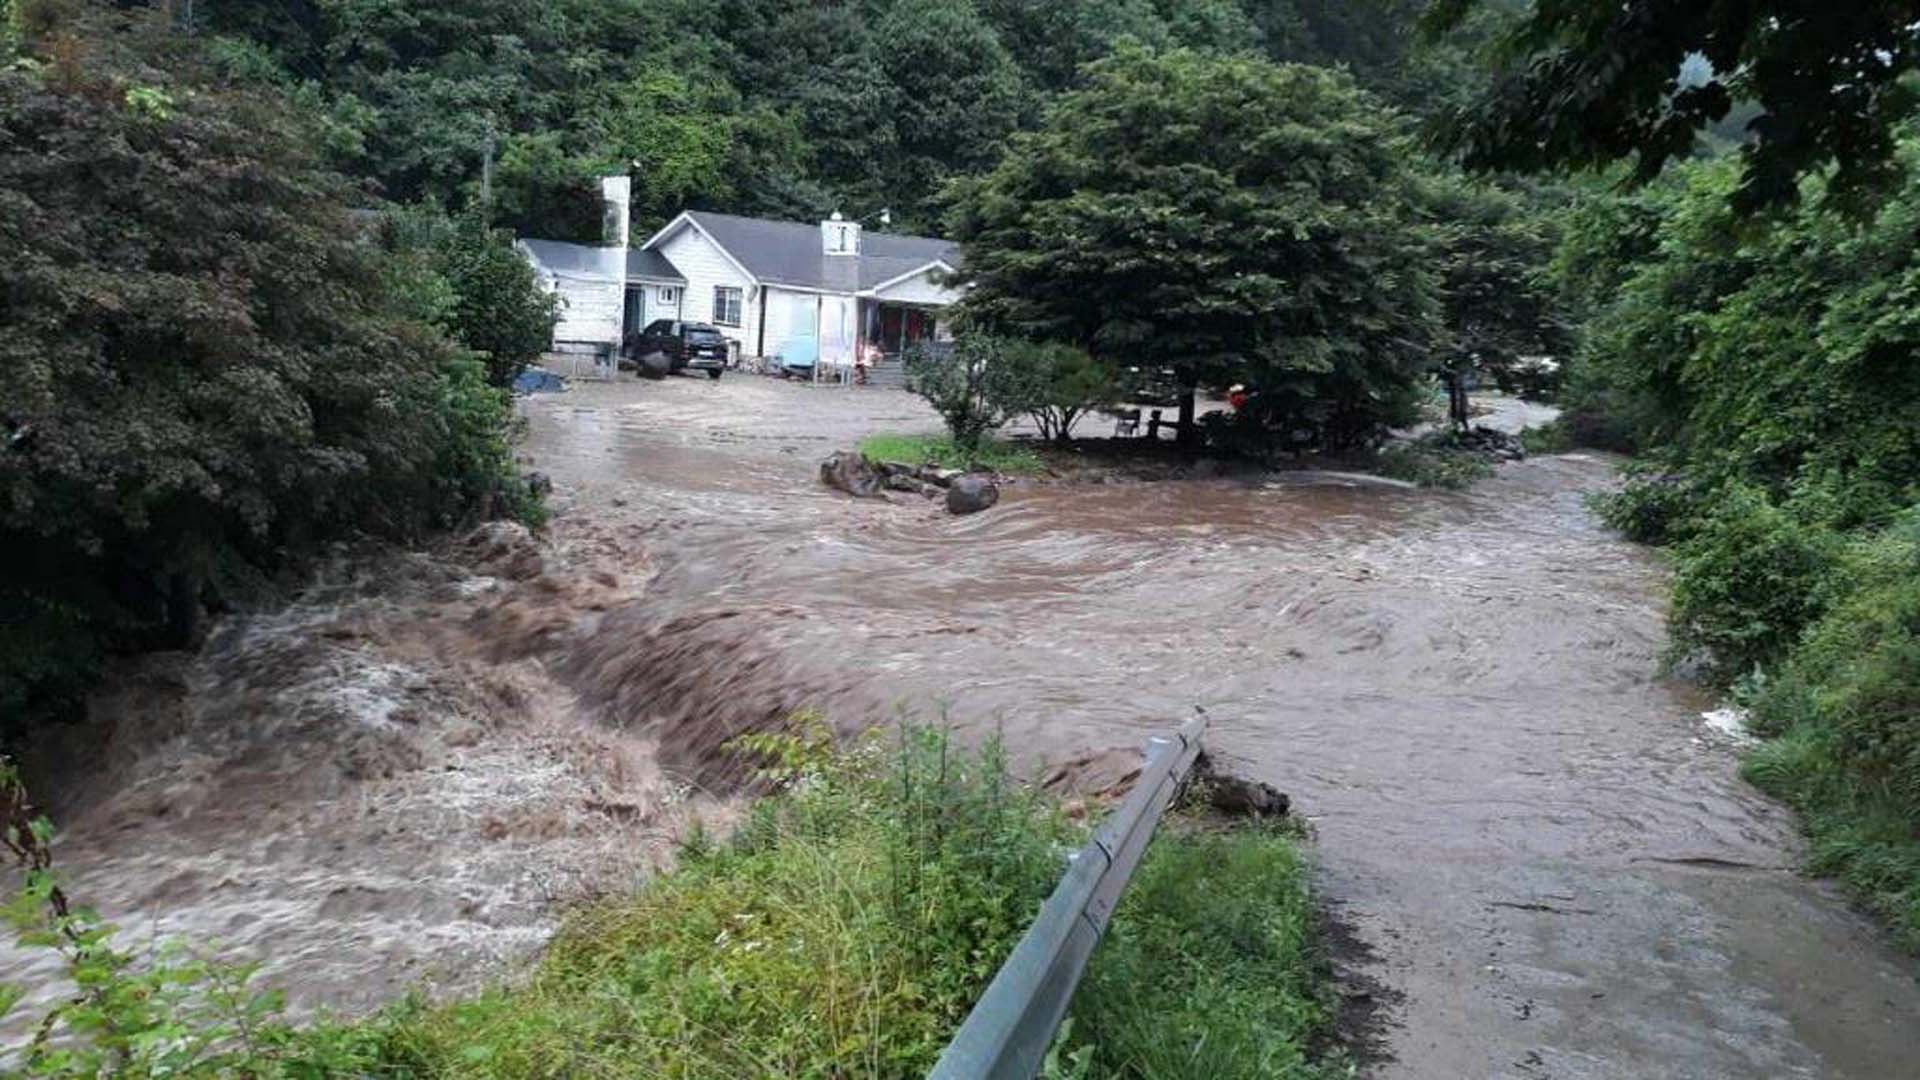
(1550, 857)
(1545, 859)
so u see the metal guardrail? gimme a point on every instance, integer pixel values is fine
(1006, 1035)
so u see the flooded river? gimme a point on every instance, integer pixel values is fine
(1546, 860)
(1548, 853)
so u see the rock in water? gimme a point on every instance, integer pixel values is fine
(852, 473)
(934, 474)
(1238, 796)
(971, 494)
(655, 365)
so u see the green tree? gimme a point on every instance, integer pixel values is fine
(1493, 248)
(206, 372)
(1590, 82)
(1055, 385)
(973, 385)
(959, 97)
(1234, 220)
(499, 309)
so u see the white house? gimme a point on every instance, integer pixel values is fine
(781, 288)
(774, 288)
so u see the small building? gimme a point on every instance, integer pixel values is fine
(591, 283)
(831, 290)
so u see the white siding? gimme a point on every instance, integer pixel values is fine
(590, 310)
(705, 267)
(830, 319)
(919, 289)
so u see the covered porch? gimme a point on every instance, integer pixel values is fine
(889, 328)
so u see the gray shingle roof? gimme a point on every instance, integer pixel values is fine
(788, 253)
(581, 260)
(653, 266)
(575, 260)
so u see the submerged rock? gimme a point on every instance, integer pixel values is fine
(854, 473)
(971, 494)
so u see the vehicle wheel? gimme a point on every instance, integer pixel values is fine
(714, 373)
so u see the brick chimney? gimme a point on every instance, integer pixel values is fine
(839, 237)
(616, 192)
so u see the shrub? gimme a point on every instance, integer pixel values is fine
(1652, 507)
(1748, 581)
(1434, 461)
(970, 383)
(207, 374)
(845, 929)
(1548, 438)
(499, 309)
(1054, 385)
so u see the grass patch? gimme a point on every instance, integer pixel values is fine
(1211, 968)
(849, 926)
(999, 455)
(844, 930)
(1552, 437)
(1861, 833)
(1430, 463)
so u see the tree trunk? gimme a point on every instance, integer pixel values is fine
(1188, 432)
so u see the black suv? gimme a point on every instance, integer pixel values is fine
(686, 345)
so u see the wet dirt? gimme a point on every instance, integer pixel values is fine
(1546, 852)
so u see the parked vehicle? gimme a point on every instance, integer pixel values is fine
(686, 345)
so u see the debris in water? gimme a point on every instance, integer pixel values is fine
(1729, 721)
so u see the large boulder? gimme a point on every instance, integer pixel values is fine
(971, 494)
(856, 474)
(655, 365)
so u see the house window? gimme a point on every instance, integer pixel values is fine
(669, 294)
(726, 305)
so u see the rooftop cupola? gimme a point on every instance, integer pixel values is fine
(839, 236)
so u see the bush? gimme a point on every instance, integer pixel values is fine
(1055, 385)
(207, 374)
(499, 309)
(969, 382)
(1436, 460)
(1748, 581)
(1653, 507)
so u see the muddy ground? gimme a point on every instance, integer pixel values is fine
(1544, 856)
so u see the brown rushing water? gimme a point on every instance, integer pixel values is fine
(400, 778)
(1550, 855)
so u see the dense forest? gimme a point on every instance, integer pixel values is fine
(783, 108)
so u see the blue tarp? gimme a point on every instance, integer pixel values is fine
(538, 381)
(799, 354)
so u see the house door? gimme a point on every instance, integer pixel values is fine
(634, 315)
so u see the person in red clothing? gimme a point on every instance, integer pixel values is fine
(1237, 397)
